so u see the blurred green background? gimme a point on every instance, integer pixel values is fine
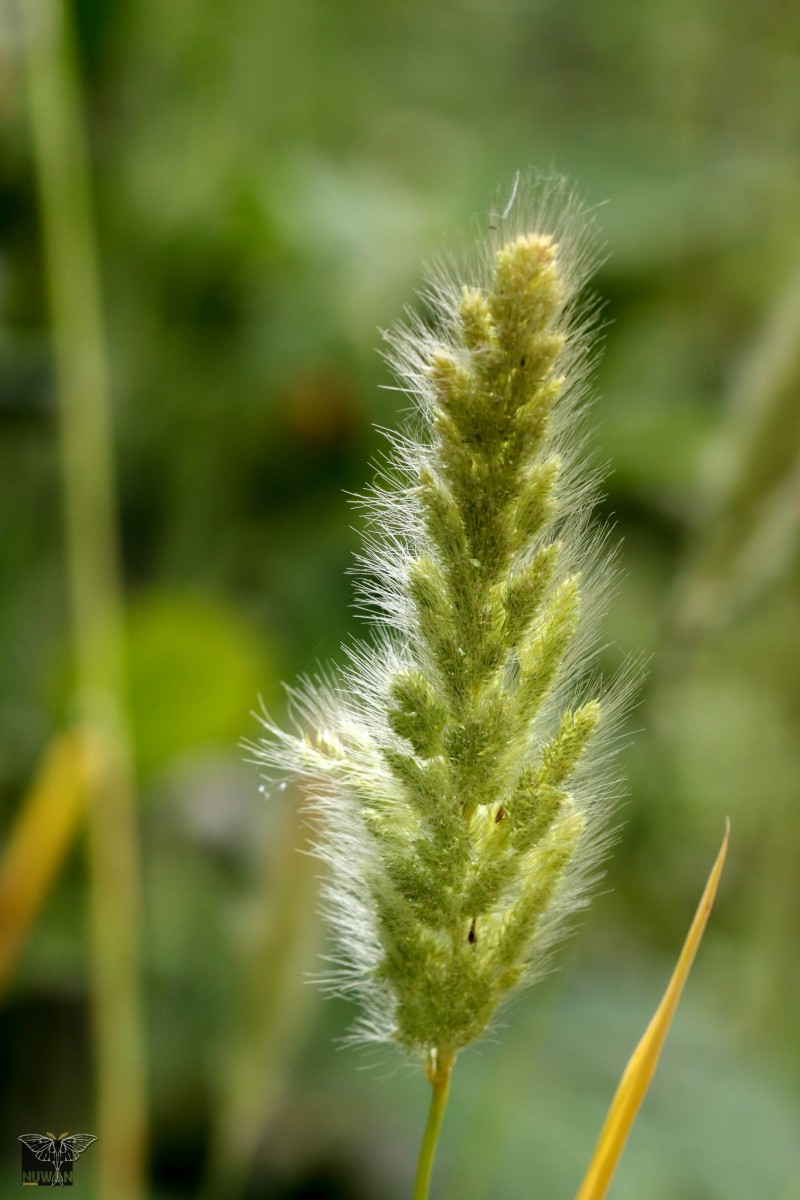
(268, 181)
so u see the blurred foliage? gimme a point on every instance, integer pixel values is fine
(269, 178)
(194, 669)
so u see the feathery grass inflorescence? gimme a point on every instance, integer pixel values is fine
(455, 761)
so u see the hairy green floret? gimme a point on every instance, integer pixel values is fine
(455, 762)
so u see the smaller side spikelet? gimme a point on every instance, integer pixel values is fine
(457, 763)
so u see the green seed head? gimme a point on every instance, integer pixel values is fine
(456, 769)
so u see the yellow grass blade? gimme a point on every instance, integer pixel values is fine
(39, 841)
(644, 1060)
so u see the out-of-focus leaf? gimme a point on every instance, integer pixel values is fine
(195, 672)
(278, 939)
(43, 833)
(644, 1060)
(747, 534)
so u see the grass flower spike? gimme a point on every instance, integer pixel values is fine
(455, 761)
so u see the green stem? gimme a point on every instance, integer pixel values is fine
(61, 158)
(439, 1071)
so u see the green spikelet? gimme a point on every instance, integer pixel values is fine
(458, 802)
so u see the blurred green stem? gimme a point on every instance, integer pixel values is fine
(271, 1010)
(439, 1072)
(70, 263)
(746, 534)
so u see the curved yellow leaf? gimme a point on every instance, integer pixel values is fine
(39, 841)
(644, 1060)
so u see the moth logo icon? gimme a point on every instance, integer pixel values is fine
(54, 1153)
